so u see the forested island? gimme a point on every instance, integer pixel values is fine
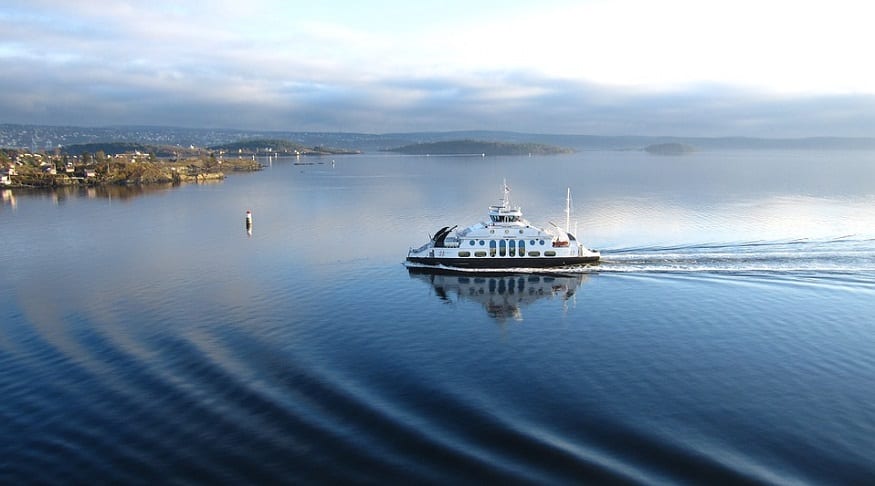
(477, 147)
(669, 149)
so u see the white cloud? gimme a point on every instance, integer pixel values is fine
(779, 46)
(739, 68)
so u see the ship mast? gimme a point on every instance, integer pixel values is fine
(568, 212)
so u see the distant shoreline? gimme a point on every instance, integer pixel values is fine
(50, 137)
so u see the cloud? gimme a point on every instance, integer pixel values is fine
(597, 67)
(136, 94)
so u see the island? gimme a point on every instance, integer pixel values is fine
(478, 147)
(669, 149)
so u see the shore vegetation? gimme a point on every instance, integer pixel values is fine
(57, 169)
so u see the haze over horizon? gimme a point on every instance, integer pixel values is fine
(631, 67)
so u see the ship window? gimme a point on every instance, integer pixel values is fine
(472, 242)
(532, 242)
(482, 242)
(549, 253)
(542, 242)
(492, 248)
(502, 248)
(512, 245)
(464, 254)
(521, 231)
(522, 247)
(534, 253)
(479, 253)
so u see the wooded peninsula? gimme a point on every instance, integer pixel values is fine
(127, 163)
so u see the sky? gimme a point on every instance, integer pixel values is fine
(764, 68)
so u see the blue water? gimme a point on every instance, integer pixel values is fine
(728, 335)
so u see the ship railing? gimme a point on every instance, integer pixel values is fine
(418, 250)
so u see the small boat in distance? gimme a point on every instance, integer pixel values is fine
(505, 241)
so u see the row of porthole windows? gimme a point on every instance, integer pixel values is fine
(534, 253)
(531, 242)
(507, 231)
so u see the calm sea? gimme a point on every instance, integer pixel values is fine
(728, 335)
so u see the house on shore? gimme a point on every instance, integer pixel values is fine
(6, 174)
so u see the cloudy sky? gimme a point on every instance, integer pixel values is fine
(768, 68)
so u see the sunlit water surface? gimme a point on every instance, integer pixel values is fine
(728, 333)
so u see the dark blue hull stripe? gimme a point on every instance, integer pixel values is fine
(492, 262)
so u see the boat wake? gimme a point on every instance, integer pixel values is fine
(838, 255)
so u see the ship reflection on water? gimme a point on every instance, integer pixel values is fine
(503, 296)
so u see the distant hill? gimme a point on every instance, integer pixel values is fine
(476, 147)
(669, 149)
(114, 148)
(48, 137)
(248, 147)
(278, 146)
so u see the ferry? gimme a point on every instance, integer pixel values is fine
(507, 240)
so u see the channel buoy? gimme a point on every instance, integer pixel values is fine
(249, 221)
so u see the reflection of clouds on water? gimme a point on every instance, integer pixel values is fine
(648, 221)
(503, 296)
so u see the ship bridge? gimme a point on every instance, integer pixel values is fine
(504, 214)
